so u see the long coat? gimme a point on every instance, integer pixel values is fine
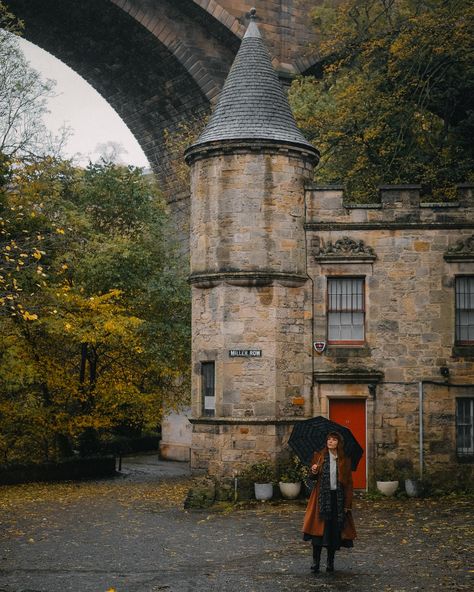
(313, 524)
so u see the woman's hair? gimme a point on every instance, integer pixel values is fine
(340, 442)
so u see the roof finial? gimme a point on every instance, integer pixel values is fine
(252, 29)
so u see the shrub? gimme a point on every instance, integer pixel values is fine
(260, 472)
(385, 470)
(292, 471)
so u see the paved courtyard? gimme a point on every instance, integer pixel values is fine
(131, 534)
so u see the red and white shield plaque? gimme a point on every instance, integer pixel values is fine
(319, 346)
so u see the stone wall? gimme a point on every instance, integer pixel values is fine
(401, 247)
(248, 276)
(176, 436)
(247, 212)
(258, 393)
(271, 319)
(224, 448)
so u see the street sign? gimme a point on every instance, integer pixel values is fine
(245, 353)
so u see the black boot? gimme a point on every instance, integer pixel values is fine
(330, 562)
(316, 558)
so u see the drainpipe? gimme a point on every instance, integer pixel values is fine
(420, 412)
(312, 300)
(373, 393)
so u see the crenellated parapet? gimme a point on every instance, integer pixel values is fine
(396, 207)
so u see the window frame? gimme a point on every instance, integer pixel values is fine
(465, 453)
(205, 389)
(346, 342)
(457, 325)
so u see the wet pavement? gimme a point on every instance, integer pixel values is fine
(131, 534)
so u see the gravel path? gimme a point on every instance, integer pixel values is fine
(130, 534)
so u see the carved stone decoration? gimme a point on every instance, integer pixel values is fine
(463, 250)
(343, 249)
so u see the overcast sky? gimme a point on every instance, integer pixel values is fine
(80, 107)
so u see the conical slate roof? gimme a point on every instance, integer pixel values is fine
(252, 104)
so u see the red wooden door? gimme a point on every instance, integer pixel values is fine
(351, 414)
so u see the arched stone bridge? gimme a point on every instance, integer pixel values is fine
(161, 62)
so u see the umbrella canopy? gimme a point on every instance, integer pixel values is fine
(310, 435)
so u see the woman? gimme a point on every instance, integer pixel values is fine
(328, 520)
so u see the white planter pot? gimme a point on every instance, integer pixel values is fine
(412, 487)
(263, 491)
(290, 490)
(387, 487)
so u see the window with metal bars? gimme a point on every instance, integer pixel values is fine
(465, 310)
(465, 427)
(208, 395)
(346, 310)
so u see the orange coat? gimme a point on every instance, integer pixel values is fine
(313, 524)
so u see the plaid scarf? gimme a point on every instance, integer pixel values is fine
(325, 495)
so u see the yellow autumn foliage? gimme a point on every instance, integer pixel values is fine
(95, 323)
(393, 98)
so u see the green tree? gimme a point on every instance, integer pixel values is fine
(23, 135)
(23, 99)
(94, 308)
(394, 101)
(96, 319)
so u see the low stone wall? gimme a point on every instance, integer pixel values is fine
(68, 470)
(226, 447)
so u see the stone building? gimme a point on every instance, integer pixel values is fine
(393, 300)
(281, 269)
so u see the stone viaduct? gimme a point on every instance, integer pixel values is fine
(162, 62)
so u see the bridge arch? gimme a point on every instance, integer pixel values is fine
(159, 62)
(201, 55)
(144, 67)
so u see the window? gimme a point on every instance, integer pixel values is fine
(465, 427)
(346, 311)
(465, 310)
(208, 394)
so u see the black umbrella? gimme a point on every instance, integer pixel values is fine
(310, 435)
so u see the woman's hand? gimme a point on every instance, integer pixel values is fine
(315, 468)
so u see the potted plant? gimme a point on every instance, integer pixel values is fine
(412, 483)
(387, 482)
(291, 474)
(262, 474)
(413, 486)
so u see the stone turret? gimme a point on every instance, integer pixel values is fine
(251, 337)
